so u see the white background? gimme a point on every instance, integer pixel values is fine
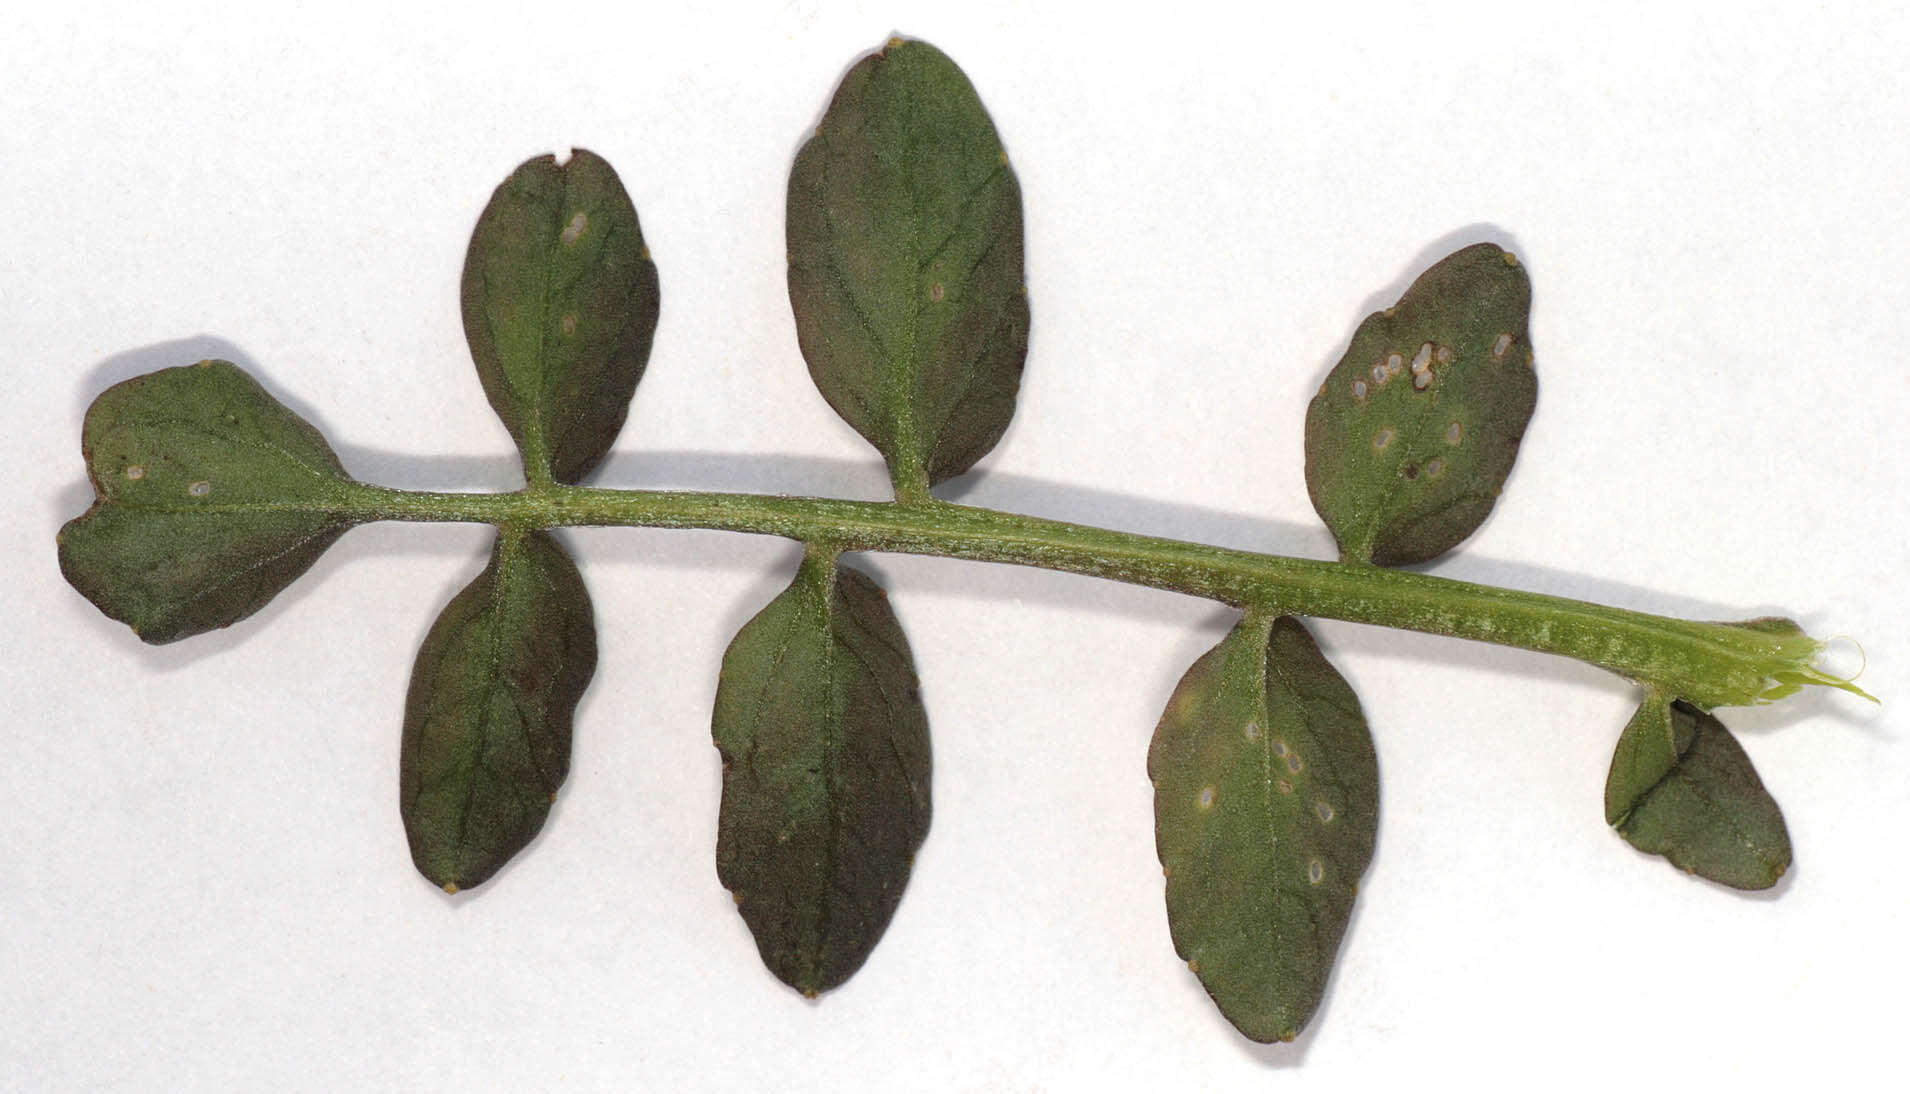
(205, 881)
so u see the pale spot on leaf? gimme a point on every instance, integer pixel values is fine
(575, 229)
(199, 489)
(135, 472)
(1423, 359)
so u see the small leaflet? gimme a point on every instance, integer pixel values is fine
(905, 265)
(488, 715)
(1266, 807)
(1681, 786)
(824, 740)
(211, 496)
(560, 306)
(1411, 438)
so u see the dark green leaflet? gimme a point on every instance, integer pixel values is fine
(560, 305)
(1266, 807)
(1682, 787)
(825, 751)
(905, 264)
(1647, 751)
(211, 497)
(488, 715)
(1415, 430)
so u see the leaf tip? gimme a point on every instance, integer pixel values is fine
(450, 888)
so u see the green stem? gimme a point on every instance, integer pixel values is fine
(1711, 664)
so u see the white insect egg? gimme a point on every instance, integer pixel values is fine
(1423, 359)
(1499, 347)
(1315, 872)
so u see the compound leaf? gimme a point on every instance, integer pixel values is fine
(488, 715)
(1410, 440)
(1681, 786)
(211, 496)
(905, 264)
(560, 306)
(1266, 807)
(825, 751)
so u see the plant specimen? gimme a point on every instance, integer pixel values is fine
(905, 275)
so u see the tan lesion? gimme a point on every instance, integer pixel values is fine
(574, 231)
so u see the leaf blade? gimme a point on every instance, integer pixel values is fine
(560, 302)
(1266, 804)
(1411, 438)
(1706, 811)
(211, 496)
(489, 711)
(825, 750)
(905, 264)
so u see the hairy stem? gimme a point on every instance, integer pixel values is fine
(1711, 664)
